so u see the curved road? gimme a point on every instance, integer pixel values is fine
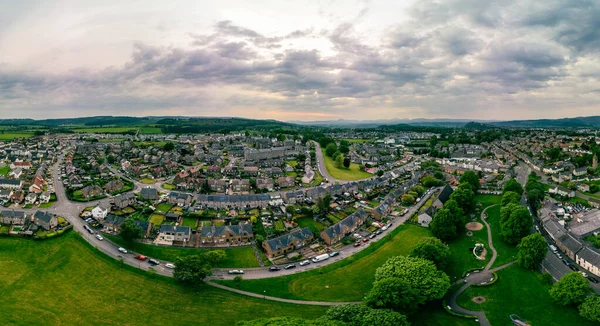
(323, 169)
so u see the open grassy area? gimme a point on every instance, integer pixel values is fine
(5, 170)
(189, 221)
(164, 207)
(519, 291)
(506, 252)
(10, 135)
(65, 281)
(156, 219)
(168, 186)
(357, 140)
(241, 257)
(150, 130)
(346, 280)
(292, 163)
(100, 130)
(314, 226)
(351, 173)
(147, 181)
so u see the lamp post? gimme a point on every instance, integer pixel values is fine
(265, 294)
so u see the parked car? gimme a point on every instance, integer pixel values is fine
(566, 262)
(274, 269)
(153, 262)
(140, 257)
(304, 262)
(333, 254)
(99, 237)
(592, 279)
(573, 267)
(236, 271)
(372, 236)
(558, 255)
(290, 266)
(123, 250)
(378, 232)
(357, 244)
(584, 274)
(171, 266)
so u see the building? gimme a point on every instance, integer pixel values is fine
(99, 212)
(172, 233)
(589, 259)
(344, 227)
(180, 199)
(427, 216)
(569, 245)
(286, 182)
(586, 223)
(443, 197)
(11, 183)
(297, 238)
(124, 200)
(44, 220)
(112, 223)
(149, 193)
(227, 234)
(578, 172)
(12, 217)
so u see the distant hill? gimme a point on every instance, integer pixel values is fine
(578, 122)
(384, 122)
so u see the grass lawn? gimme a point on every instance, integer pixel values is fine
(5, 170)
(292, 163)
(352, 173)
(520, 292)
(165, 207)
(314, 226)
(241, 257)
(279, 225)
(189, 221)
(147, 181)
(156, 219)
(64, 281)
(506, 252)
(12, 135)
(168, 186)
(346, 280)
(291, 174)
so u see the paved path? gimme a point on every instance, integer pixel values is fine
(266, 297)
(483, 276)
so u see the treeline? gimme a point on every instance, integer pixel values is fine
(219, 125)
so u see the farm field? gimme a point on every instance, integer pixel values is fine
(105, 130)
(63, 281)
(12, 135)
(352, 173)
(346, 280)
(241, 257)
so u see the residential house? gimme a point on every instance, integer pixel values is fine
(92, 191)
(45, 197)
(181, 199)
(578, 172)
(13, 217)
(16, 173)
(149, 193)
(227, 234)
(443, 197)
(5, 194)
(427, 216)
(124, 200)
(346, 226)
(265, 183)
(11, 183)
(172, 217)
(295, 239)
(30, 198)
(286, 182)
(172, 233)
(17, 197)
(37, 184)
(20, 165)
(589, 259)
(114, 186)
(240, 186)
(45, 220)
(99, 212)
(112, 223)
(569, 245)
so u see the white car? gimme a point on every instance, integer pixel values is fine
(99, 237)
(169, 265)
(123, 250)
(304, 262)
(235, 271)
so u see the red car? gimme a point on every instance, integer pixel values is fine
(140, 257)
(365, 239)
(356, 244)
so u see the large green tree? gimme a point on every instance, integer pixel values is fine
(443, 225)
(471, 178)
(130, 231)
(330, 149)
(421, 274)
(432, 249)
(407, 199)
(571, 289)
(510, 197)
(393, 293)
(514, 186)
(290, 321)
(515, 223)
(361, 315)
(464, 196)
(192, 269)
(532, 250)
(458, 214)
(590, 308)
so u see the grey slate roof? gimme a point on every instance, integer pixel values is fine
(287, 239)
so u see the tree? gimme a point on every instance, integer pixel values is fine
(590, 308)
(471, 178)
(463, 196)
(192, 269)
(130, 231)
(361, 315)
(379, 173)
(339, 161)
(289, 321)
(438, 175)
(392, 293)
(110, 159)
(419, 273)
(432, 249)
(169, 146)
(382, 317)
(532, 250)
(458, 215)
(238, 281)
(215, 256)
(347, 162)
(330, 149)
(259, 239)
(430, 181)
(407, 199)
(344, 149)
(515, 223)
(513, 185)
(510, 197)
(571, 289)
(443, 225)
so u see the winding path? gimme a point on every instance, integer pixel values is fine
(477, 278)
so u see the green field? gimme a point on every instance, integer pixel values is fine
(12, 135)
(150, 130)
(164, 207)
(147, 181)
(352, 173)
(356, 141)
(506, 252)
(520, 292)
(314, 226)
(100, 130)
(241, 257)
(5, 170)
(189, 221)
(346, 280)
(156, 219)
(111, 140)
(64, 281)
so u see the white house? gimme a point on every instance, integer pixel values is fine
(99, 212)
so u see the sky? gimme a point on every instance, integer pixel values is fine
(301, 60)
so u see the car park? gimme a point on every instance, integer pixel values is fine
(99, 237)
(153, 262)
(290, 266)
(123, 250)
(305, 262)
(333, 254)
(234, 271)
(274, 269)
